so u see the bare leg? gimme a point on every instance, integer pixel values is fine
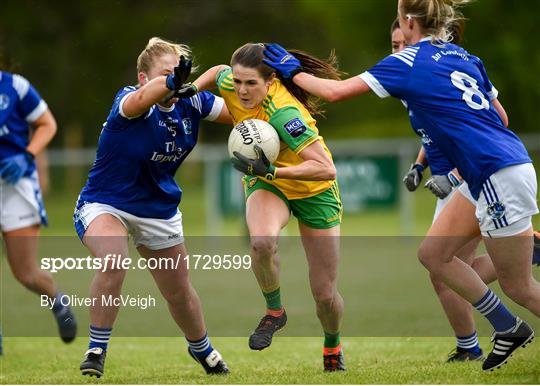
(266, 215)
(458, 311)
(444, 240)
(21, 245)
(322, 253)
(106, 235)
(183, 302)
(512, 259)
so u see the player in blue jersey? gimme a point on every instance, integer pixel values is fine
(451, 96)
(26, 128)
(131, 191)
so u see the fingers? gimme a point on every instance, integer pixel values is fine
(239, 165)
(241, 157)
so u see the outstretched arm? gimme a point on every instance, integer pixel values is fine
(207, 80)
(328, 89)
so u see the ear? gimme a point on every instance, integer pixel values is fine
(142, 78)
(271, 79)
(410, 21)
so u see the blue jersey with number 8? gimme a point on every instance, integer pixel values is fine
(450, 93)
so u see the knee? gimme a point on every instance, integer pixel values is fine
(264, 247)
(518, 292)
(425, 256)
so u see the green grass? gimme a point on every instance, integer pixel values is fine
(288, 361)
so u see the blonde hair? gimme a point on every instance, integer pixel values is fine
(157, 47)
(441, 19)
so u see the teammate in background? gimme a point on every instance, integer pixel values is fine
(131, 191)
(445, 178)
(22, 113)
(449, 92)
(301, 182)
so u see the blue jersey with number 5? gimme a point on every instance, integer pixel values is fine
(450, 93)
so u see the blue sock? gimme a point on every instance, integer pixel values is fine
(99, 337)
(496, 312)
(469, 343)
(202, 347)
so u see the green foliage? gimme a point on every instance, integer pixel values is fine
(78, 54)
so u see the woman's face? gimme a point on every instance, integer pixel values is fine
(398, 41)
(161, 66)
(250, 86)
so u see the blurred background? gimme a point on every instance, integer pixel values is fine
(79, 54)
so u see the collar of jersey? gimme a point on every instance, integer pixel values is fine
(165, 109)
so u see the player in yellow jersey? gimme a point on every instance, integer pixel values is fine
(302, 181)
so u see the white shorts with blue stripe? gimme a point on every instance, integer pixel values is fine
(21, 205)
(507, 201)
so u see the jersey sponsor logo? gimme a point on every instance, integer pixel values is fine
(186, 124)
(295, 127)
(496, 210)
(4, 101)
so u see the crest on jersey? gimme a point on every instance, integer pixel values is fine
(4, 101)
(425, 138)
(186, 124)
(496, 210)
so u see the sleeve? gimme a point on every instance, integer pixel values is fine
(30, 103)
(117, 120)
(390, 76)
(491, 91)
(224, 80)
(292, 128)
(207, 104)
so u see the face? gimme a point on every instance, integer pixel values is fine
(398, 41)
(250, 86)
(161, 66)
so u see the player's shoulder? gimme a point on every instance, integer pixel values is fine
(15, 82)
(224, 79)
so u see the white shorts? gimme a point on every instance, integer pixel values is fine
(507, 201)
(441, 203)
(153, 233)
(21, 205)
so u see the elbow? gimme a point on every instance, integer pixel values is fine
(332, 95)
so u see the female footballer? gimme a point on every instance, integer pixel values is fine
(450, 94)
(26, 128)
(131, 191)
(302, 181)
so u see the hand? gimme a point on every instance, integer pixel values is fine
(282, 61)
(413, 177)
(259, 166)
(186, 91)
(13, 168)
(180, 74)
(442, 186)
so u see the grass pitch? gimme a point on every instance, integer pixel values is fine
(287, 361)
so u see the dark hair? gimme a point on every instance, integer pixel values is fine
(394, 26)
(5, 63)
(251, 55)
